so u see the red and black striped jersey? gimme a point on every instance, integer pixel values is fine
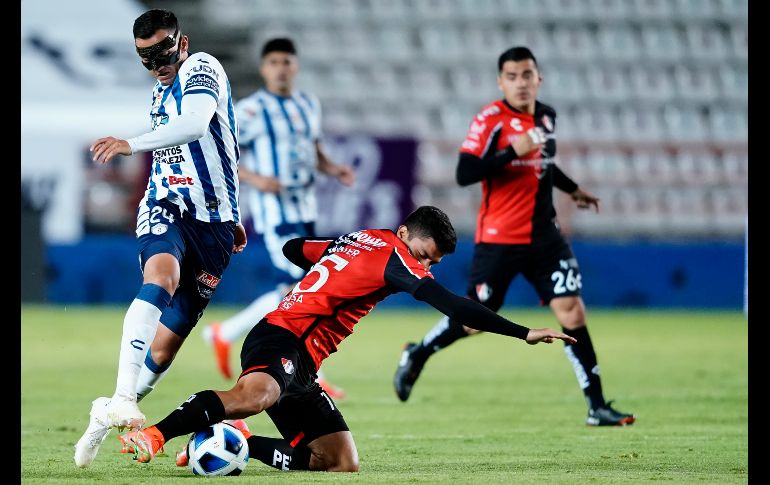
(350, 276)
(517, 203)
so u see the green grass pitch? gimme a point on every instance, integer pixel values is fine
(488, 410)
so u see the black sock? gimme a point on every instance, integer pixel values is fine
(583, 359)
(200, 410)
(278, 454)
(442, 335)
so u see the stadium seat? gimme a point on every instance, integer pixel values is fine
(734, 82)
(618, 42)
(706, 42)
(440, 43)
(564, 10)
(735, 167)
(697, 167)
(652, 10)
(574, 42)
(735, 10)
(608, 10)
(608, 85)
(695, 9)
(471, 83)
(564, 84)
(640, 124)
(389, 9)
(684, 124)
(597, 124)
(729, 125)
(425, 83)
(652, 167)
(695, 84)
(651, 84)
(384, 84)
(608, 166)
(354, 44)
(662, 42)
(394, 43)
(739, 41)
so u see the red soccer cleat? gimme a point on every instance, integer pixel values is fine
(221, 351)
(127, 446)
(147, 442)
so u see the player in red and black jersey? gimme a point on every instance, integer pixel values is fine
(510, 149)
(346, 278)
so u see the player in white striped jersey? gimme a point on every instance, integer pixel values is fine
(188, 222)
(280, 131)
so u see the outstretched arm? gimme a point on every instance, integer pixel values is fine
(582, 198)
(476, 315)
(343, 173)
(197, 110)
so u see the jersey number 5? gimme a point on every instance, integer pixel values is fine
(323, 273)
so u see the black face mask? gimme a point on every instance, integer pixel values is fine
(154, 56)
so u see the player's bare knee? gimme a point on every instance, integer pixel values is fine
(569, 311)
(162, 357)
(335, 462)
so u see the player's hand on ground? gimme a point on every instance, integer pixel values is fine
(345, 175)
(239, 243)
(585, 199)
(534, 140)
(547, 335)
(104, 149)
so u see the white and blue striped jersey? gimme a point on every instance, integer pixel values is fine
(201, 176)
(278, 135)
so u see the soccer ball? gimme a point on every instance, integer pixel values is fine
(219, 449)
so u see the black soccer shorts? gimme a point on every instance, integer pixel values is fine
(550, 268)
(304, 411)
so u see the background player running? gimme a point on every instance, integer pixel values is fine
(510, 149)
(280, 132)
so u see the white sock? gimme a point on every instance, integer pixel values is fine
(240, 323)
(139, 327)
(147, 381)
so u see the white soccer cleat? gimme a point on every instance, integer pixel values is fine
(125, 414)
(98, 428)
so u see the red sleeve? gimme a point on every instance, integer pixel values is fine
(314, 249)
(481, 132)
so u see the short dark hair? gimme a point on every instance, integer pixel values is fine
(515, 54)
(279, 44)
(151, 21)
(428, 221)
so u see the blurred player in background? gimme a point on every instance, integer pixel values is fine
(510, 149)
(280, 131)
(346, 277)
(187, 223)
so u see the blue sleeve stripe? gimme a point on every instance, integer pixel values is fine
(227, 165)
(185, 192)
(304, 119)
(199, 159)
(271, 135)
(202, 90)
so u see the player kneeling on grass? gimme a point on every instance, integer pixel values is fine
(345, 279)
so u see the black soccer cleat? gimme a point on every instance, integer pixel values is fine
(407, 372)
(607, 416)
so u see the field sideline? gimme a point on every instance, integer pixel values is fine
(489, 410)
